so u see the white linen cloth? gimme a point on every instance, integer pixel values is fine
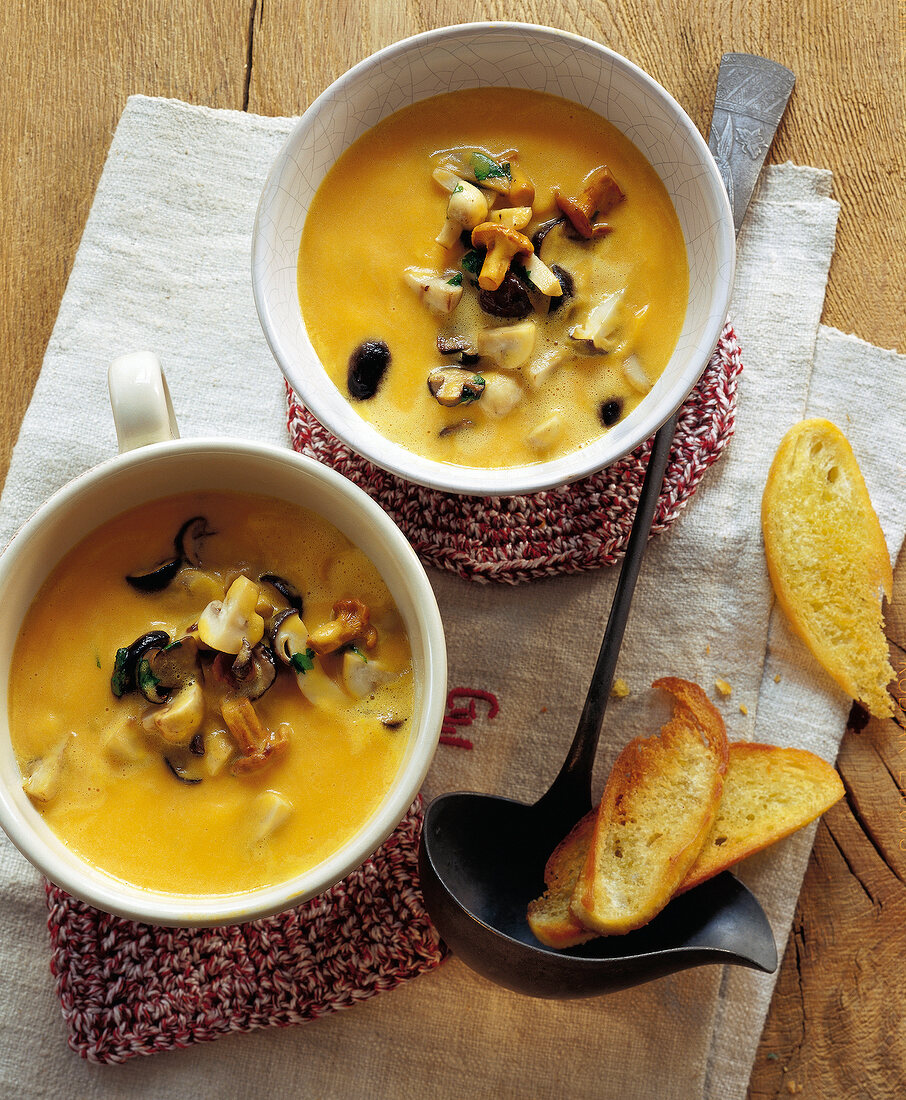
(164, 264)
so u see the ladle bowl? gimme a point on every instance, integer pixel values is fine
(484, 861)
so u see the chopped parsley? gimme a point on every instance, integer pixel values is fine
(355, 649)
(487, 169)
(303, 662)
(456, 280)
(468, 396)
(472, 261)
(522, 273)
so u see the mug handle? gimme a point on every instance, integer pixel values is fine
(140, 399)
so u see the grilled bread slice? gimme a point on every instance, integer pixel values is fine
(549, 916)
(768, 794)
(827, 559)
(658, 806)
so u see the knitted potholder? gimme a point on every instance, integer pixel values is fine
(129, 988)
(567, 530)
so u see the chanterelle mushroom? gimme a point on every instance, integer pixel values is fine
(224, 624)
(599, 195)
(502, 244)
(258, 745)
(349, 624)
(467, 208)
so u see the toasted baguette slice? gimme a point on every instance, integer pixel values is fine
(549, 916)
(658, 807)
(768, 793)
(827, 559)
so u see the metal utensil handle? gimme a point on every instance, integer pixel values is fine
(752, 94)
(572, 787)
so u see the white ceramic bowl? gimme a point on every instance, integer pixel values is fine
(476, 55)
(184, 465)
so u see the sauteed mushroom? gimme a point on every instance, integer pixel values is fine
(224, 624)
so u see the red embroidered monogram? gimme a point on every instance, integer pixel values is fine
(464, 715)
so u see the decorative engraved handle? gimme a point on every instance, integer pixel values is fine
(752, 94)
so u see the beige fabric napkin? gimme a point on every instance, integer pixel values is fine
(164, 264)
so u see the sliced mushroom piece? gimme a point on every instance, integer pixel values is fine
(601, 324)
(259, 746)
(521, 191)
(350, 623)
(189, 539)
(163, 670)
(477, 166)
(269, 811)
(542, 366)
(516, 217)
(219, 750)
(635, 374)
(288, 635)
(224, 624)
(178, 771)
(251, 674)
(440, 293)
(508, 347)
(158, 578)
(567, 288)
(320, 690)
(180, 718)
(455, 428)
(546, 434)
(502, 244)
(43, 782)
(502, 393)
(455, 345)
(362, 675)
(542, 277)
(125, 664)
(285, 588)
(451, 386)
(124, 742)
(467, 207)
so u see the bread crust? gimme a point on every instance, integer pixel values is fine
(828, 560)
(657, 808)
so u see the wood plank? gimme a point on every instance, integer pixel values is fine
(68, 72)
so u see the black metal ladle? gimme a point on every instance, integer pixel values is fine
(482, 857)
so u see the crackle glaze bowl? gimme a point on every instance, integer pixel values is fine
(485, 55)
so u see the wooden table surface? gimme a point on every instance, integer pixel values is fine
(836, 1023)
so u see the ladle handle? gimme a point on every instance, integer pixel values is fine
(571, 790)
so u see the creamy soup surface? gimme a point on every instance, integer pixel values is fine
(371, 272)
(208, 787)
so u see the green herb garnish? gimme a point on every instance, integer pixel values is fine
(468, 396)
(522, 273)
(119, 681)
(355, 649)
(148, 683)
(472, 261)
(487, 169)
(456, 280)
(303, 662)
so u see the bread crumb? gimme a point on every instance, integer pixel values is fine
(777, 678)
(707, 649)
(619, 689)
(723, 687)
(743, 709)
(544, 710)
(793, 1089)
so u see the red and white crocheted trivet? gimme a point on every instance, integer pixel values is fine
(129, 988)
(578, 527)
